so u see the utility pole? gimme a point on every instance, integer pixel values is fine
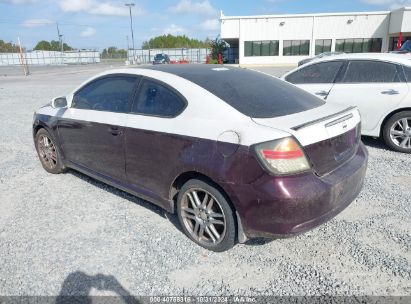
(60, 38)
(128, 48)
(130, 5)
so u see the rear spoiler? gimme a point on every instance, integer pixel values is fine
(346, 117)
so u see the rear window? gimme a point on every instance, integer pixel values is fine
(252, 93)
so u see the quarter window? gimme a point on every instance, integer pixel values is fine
(156, 99)
(322, 46)
(296, 47)
(360, 71)
(316, 73)
(111, 94)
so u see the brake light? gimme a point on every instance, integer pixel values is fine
(283, 156)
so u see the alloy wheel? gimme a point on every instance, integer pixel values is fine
(203, 217)
(47, 151)
(400, 133)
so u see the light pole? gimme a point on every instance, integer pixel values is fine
(130, 5)
(60, 38)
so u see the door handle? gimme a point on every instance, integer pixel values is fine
(390, 92)
(115, 131)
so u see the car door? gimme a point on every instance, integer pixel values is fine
(153, 150)
(375, 87)
(317, 78)
(92, 129)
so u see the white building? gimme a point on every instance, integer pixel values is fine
(286, 39)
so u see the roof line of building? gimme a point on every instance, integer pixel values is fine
(223, 17)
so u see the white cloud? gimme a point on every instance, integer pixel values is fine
(174, 29)
(37, 22)
(189, 7)
(210, 25)
(389, 3)
(89, 31)
(95, 7)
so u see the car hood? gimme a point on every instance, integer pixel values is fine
(316, 124)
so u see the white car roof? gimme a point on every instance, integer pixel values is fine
(391, 57)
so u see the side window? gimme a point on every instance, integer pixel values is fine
(360, 71)
(407, 72)
(111, 94)
(157, 100)
(316, 73)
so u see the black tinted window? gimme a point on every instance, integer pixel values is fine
(110, 94)
(359, 45)
(407, 71)
(157, 100)
(316, 73)
(252, 93)
(359, 71)
(296, 47)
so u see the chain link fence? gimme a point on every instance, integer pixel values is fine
(141, 56)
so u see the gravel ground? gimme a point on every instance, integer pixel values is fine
(64, 234)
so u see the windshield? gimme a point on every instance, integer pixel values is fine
(406, 46)
(159, 57)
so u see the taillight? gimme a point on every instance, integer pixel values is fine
(283, 156)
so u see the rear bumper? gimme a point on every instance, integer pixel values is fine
(283, 206)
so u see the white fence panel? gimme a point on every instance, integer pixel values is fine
(51, 58)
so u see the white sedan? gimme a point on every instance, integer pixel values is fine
(378, 84)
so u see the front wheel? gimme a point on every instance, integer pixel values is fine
(205, 216)
(397, 132)
(48, 152)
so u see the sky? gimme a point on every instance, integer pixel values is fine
(95, 24)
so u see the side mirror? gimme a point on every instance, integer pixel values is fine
(59, 102)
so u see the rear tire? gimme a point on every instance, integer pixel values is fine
(205, 216)
(48, 152)
(397, 132)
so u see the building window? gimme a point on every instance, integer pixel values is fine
(322, 46)
(359, 45)
(261, 48)
(393, 42)
(296, 47)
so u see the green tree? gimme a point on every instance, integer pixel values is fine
(43, 45)
(171, 41)
(8, 47)
(218, 46)
(113, 52)
(53, 45)
(66, 47)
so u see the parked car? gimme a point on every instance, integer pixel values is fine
(325, 54)
(235, 153)
(161, 59)
(378, 84)
(405, 48)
